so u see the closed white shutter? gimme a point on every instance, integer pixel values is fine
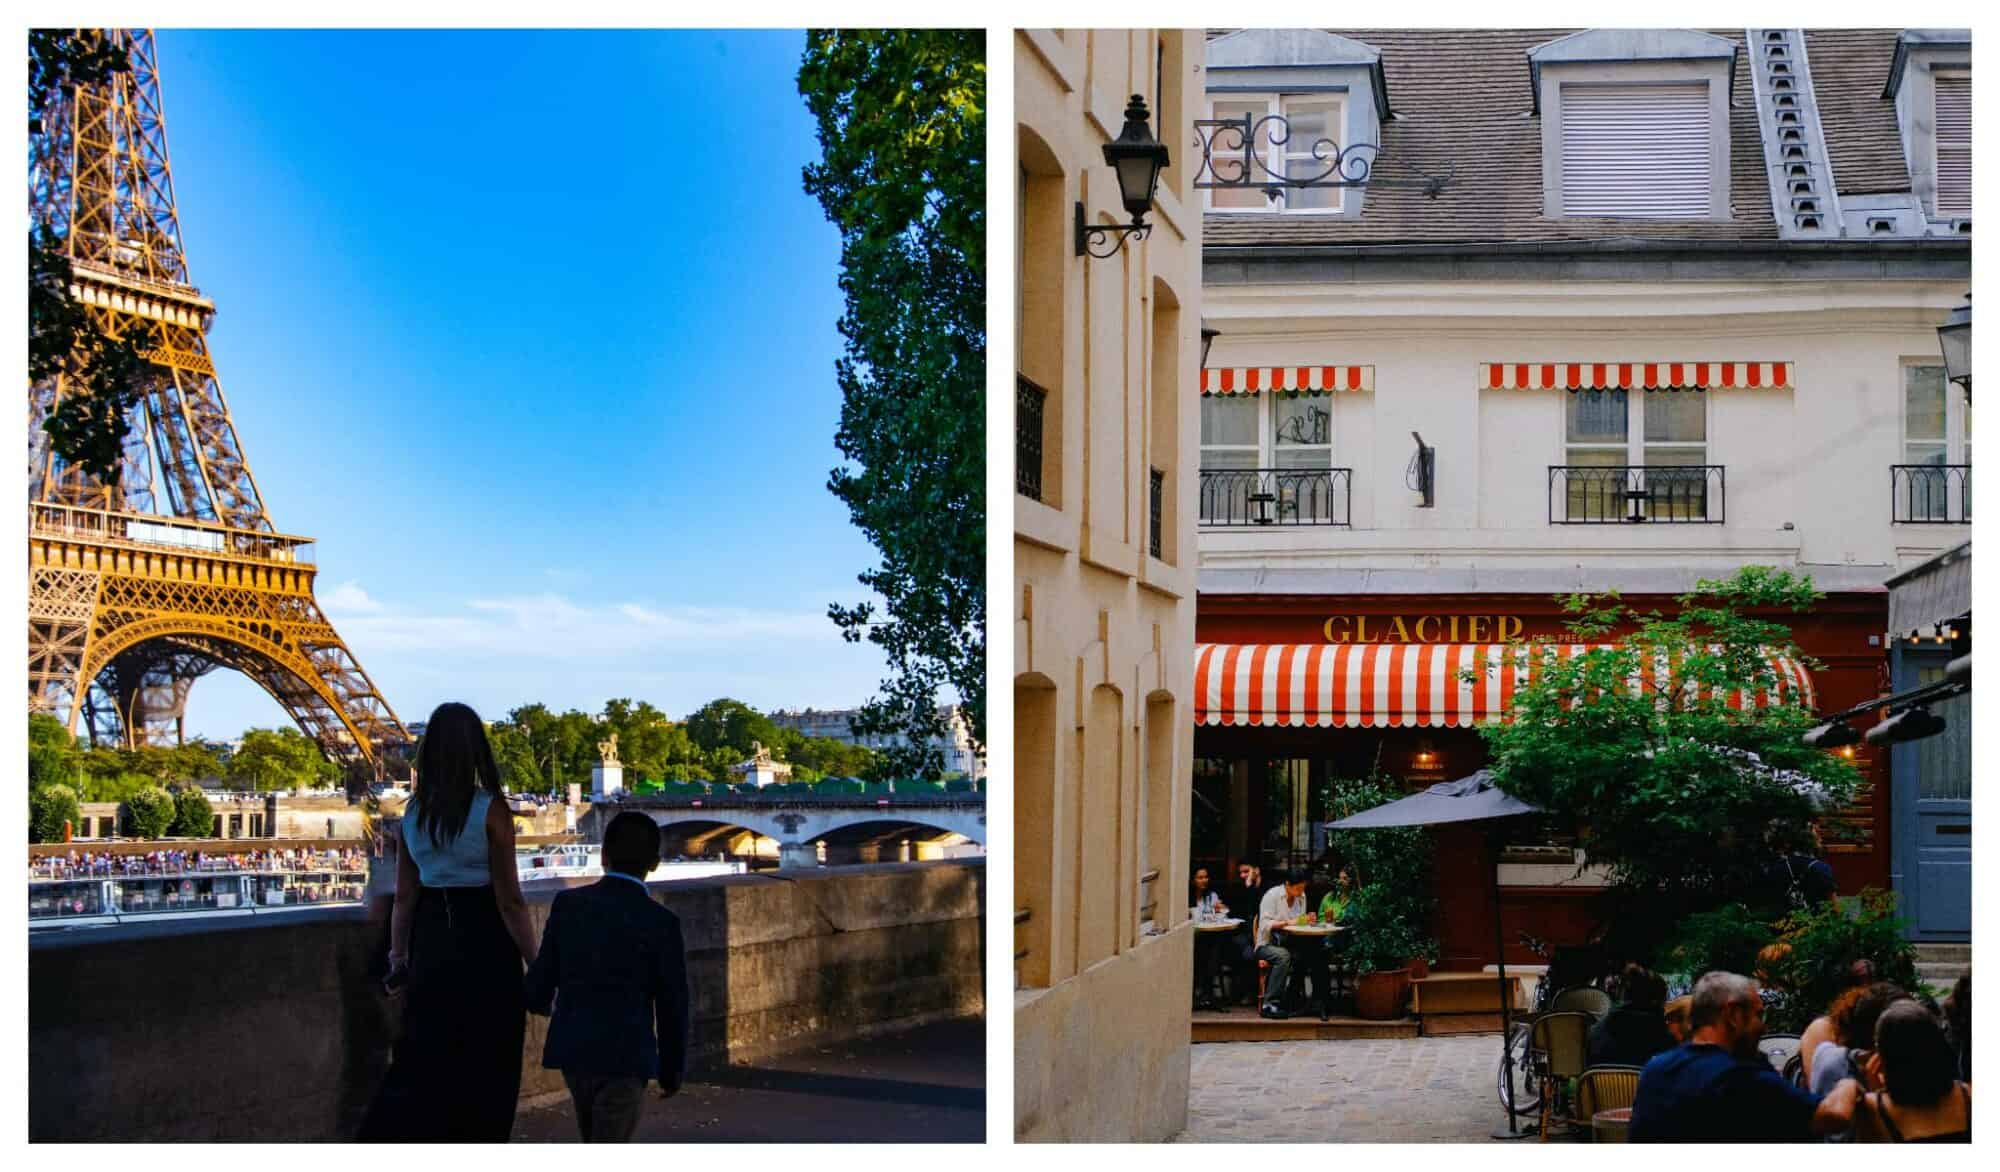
(1636, 150)
(1954, 143)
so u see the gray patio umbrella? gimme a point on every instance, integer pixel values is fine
(1469, 799)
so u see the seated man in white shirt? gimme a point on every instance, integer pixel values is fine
(1280, 906)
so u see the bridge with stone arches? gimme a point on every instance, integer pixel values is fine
(854, 828)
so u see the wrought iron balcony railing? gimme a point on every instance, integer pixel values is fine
(1613, 494)
(1028, 401)
(1931, 494)
(1276, 496)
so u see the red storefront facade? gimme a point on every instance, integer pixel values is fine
(1258, 772)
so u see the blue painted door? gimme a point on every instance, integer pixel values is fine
(1931, 810)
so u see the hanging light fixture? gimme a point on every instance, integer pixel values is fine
(1955, 340)
(1136, 158)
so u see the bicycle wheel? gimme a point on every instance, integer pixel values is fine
(1523, 1095)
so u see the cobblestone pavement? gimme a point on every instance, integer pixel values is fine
(1387, 1090)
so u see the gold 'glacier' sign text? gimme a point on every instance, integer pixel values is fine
(1424, 628)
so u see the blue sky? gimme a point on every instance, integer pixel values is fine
(534, 332)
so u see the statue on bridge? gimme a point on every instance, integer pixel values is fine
(607, 750)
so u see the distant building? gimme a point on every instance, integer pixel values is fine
(836, 724)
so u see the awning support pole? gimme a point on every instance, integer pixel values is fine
(1506, 1000)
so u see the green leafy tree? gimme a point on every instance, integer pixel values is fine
(515, 755)
(52, 754)
(901, 119)
(284, 758)
(193, 816)
(1680, 792)
(151, 811)
(730, 727)
(106, 374)
(50, 808)
(647, 740)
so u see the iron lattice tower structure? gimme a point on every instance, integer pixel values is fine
(138, 588)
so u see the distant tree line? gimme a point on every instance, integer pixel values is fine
(542, 751)
(539, 751)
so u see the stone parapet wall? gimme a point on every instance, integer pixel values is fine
(275, 1028)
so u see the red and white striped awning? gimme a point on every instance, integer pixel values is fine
(1649, 376)
(1395, 685)
(1286, 380)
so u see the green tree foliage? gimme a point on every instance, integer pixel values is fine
(731, 727)
(284, 758)
(151, 811)
(106, 375)
(52, 753)
(515, 755)
(1681, 795)
(50, 808)
(193, 816)
(902, 132)
(1389, 914)
(647, 740)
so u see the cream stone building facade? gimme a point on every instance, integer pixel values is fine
(1104, 587)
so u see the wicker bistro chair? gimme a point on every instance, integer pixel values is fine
(1583, 999)
(1778, 1050)
(1605, 1088)
(1563, 1038)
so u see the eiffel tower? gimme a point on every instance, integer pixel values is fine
(138, 588)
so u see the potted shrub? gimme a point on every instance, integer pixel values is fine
(1379, 943)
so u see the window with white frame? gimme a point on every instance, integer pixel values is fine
(1308, 119)
(1268, 459)
(1637, 456)
(1952, 100)
(1935, 482)
(1637, 149)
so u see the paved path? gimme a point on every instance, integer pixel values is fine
(921, 1085)
(1389, 1090)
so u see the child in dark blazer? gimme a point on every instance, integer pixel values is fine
(613, 965)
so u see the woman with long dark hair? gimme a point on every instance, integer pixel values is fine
(458, 938)
(1922, 1100)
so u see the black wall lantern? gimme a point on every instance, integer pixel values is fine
(1208, 336)
(1137, 158)
(1955, 339)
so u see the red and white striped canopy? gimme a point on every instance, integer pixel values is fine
(1649, 376)
(1295, 380)
(1395, 685)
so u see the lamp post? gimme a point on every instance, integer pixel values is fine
(1955, 339)
(1137, 158)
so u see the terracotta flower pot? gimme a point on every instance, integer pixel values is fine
(1378, 996)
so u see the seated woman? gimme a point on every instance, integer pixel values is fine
(1206, 903)
(1636, 1029)
(1334, 903)
(1852, 1018)
(1821, 1030)
(1921, 1100)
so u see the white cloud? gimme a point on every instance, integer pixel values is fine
(349, 598)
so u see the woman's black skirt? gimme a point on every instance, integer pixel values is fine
(457, 1070)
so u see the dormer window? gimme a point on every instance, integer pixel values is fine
(1637, 149)
(1309, 118)
(1952, 116)
(1635, 123)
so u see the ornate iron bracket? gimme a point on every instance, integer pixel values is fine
(1233, 142)
(1089, 235)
